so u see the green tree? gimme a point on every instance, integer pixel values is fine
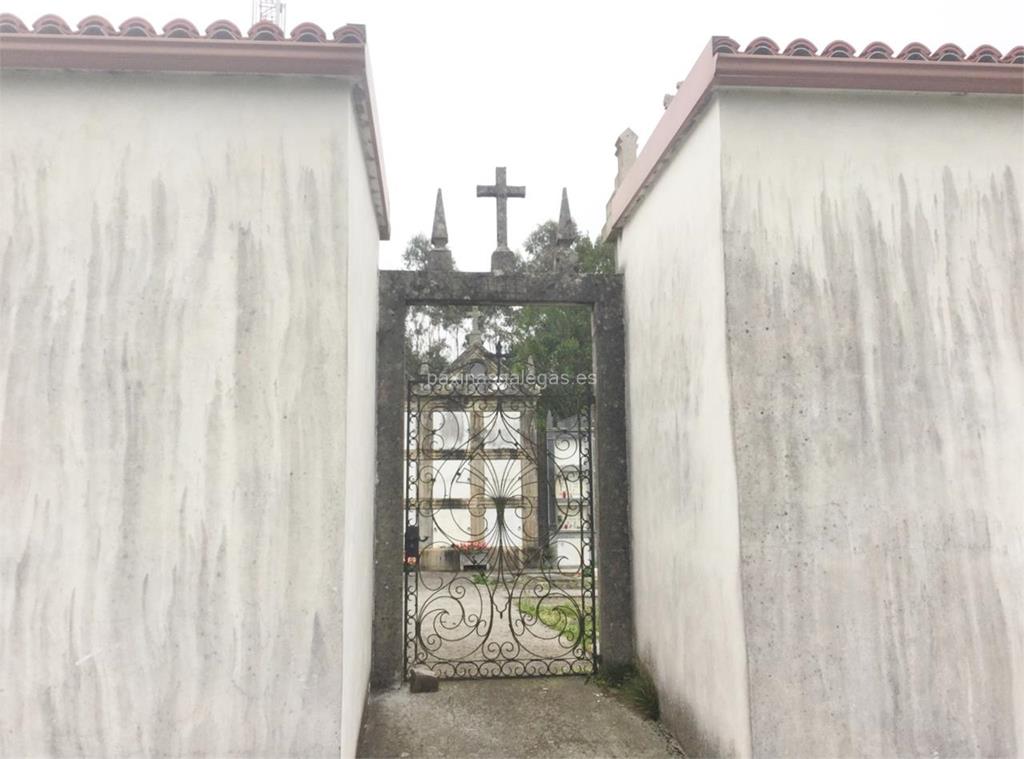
(558, 337)
(430, 331)
(414, 257)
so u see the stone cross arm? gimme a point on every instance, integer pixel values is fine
(501, 191)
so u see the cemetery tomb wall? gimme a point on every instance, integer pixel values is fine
(683, 500)
(360, 432)
(187, 301)
(874, 282)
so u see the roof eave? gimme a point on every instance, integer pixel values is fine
(215, 56)
(713, 71)
(181, 54)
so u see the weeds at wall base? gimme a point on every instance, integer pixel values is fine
(633, 684)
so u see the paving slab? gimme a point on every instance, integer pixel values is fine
(558, 716)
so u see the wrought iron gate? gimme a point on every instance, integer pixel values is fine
(499, 543)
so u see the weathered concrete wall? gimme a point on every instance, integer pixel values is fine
(689, 623)
(182, 459)
(875, 307)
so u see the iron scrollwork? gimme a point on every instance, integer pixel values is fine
(499, 559)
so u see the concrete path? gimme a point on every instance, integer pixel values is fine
(558, 716)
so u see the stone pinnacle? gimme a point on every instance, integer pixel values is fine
(439, 234)
(566, 228)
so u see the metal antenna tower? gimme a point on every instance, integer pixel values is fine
(269, 10)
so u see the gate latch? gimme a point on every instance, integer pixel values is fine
(412, 541)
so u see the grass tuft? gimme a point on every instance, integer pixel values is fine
(563, 618)
(640, 691)
(635, 686)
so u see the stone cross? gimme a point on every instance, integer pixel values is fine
(501, 192)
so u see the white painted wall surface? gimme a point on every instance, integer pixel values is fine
(360, 453)
(875, 308)
(689, 622)
(187, 301)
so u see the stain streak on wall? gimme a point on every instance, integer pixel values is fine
(851, 313)
(875, 314)
(174, 363)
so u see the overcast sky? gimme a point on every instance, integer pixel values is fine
(544, 88)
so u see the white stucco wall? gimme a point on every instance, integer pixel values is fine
(361, 434)
(825, 311)
(689, 623)
(875, 311)
(187, 304)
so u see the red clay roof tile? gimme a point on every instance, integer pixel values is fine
(724, 45)
(137, 27)
(11, 24)
(985, 54)
(50, 24)
(355, 33)
(265, 30)
(762, 46)
(876, 51)
(96, 26)
(948, 52)
(915, 51)
(309, 32)
(838, 49)
(800, 46)
(181, 27)
(1016, 55)
(222, 29)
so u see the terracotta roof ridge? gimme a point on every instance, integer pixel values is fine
(914, 51)
(221, 29)
(763, 62)
(135, 45)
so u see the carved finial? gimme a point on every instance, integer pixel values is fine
(564, 257)
(424, 369)
(625, 151)
(439, 258)
(566, 227)
(531, 368)
(439, 234)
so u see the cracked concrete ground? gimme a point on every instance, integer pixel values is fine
(557, 716)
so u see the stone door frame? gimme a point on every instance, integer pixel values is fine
(602, 293)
